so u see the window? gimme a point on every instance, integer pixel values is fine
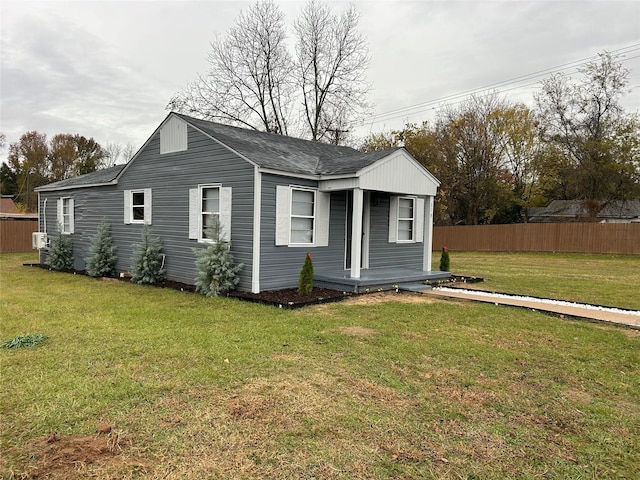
(66, 214)
(209, 203)
(137, 206)
(406, 219)
(210, 209)
(302, 216)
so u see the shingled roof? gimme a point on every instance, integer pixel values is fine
(287, 154)
(99, 177)
(267, 150)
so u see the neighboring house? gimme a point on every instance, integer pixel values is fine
(365, 217)
(563, 211)
(8, 206)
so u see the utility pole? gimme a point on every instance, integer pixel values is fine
(336, 134)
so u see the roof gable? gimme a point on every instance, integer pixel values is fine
(386, 171)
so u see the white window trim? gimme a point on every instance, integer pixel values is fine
(201, 188)
(128, 206)
(71, 215)
(417, 232)
(321, 207)
(412, 219)
(313, 217)
(195, 212)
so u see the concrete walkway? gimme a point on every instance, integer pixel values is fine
(630, 318)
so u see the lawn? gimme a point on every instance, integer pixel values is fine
(392, 386)
(610, 280)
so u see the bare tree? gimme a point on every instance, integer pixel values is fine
(249, 82)
(116, 154)
(113, 150)
(332, 58)
(595, 143)
(128, 152)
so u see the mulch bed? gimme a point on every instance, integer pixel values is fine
(286, 298)
(290, 298)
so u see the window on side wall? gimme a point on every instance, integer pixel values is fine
(66, 214)
(137, 206)
(208, 204)
(210, 210)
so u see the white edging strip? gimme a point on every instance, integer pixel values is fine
(544, 301)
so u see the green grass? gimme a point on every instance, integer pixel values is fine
(217, 388)
(601, 279)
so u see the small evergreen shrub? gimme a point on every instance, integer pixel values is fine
(444, 260)
(22, 341)
(216, 272)
(147, 261)
(305, 284)
(102, 261)
(60, 255)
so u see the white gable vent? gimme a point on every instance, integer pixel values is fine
(173, 136)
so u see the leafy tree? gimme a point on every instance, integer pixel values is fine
(60, 256)
(147, 261)
(216, 271)
(593, 145)
(35, 162)
(102, 261)
(254, 82)
(89, 155)
(484, 153)
(62, 157)
(8, 180)
(28, 158)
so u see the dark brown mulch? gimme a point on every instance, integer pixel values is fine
(286, 298)
(290, 298)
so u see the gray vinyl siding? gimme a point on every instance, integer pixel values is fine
(170, 176)
(383, 254)
(280, 265)
(90, 206)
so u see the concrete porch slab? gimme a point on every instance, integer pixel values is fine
(375, 279)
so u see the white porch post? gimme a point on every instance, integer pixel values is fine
(356, 233)
(428, 234)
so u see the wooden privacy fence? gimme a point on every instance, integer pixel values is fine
(541, 237)
(15, 233)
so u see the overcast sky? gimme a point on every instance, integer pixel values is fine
(106, 69)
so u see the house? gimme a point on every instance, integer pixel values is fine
(365, 217)
(564, 211)
(7, 205)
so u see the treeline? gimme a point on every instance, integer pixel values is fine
(498, 159)
(34, 161)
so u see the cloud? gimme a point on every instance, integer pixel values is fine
(59, 77)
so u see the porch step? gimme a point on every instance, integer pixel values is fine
(413, 287)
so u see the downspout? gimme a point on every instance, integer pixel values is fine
(44, 214)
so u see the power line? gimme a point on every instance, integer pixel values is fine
(451, 99)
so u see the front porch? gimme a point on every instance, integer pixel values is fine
(374, 278)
